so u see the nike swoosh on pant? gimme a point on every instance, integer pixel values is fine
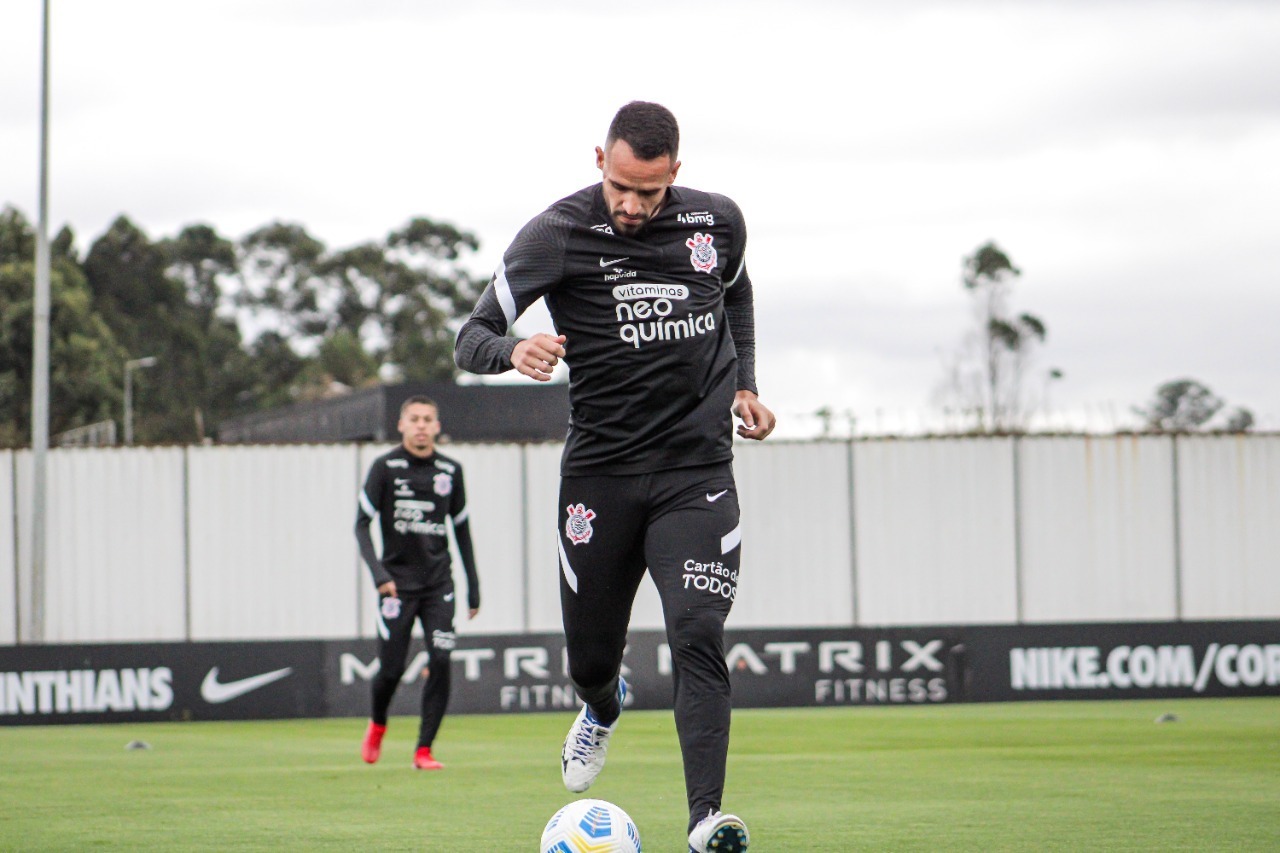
(215, 692)
(717, 496)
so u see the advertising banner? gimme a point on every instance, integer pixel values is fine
(529, 672)
(159, 681)
(767, 668)
(1135, 660)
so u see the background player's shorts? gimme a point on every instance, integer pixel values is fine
(395, 626)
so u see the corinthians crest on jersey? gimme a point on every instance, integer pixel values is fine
(702, 254)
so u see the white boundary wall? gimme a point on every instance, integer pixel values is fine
(1097, 529)
(1229, 512)
(934, 522)
(245, 543)
(8, 553)
(270, 542)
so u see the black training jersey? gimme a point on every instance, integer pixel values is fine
(653, 366)
(412, 497)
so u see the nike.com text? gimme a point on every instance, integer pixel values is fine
(1129, 667)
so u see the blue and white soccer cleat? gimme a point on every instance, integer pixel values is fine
(585, 746)
(719, 833)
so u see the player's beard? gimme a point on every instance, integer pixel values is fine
(628, 229)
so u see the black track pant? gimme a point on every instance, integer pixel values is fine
(395, 629)
(683, 525)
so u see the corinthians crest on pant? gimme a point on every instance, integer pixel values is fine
(578, 526)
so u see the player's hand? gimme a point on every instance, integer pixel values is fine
(388, 589)
(471, 614)
(757, 420)
(536, 357)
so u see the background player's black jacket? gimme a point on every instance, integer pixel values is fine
(653, 366)
(412, 497)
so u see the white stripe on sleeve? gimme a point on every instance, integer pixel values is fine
(462, 516)
(367, 505)
(502, 289)
(731, 282)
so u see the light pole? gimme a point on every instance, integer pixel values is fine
(40, 358)
(146, 361)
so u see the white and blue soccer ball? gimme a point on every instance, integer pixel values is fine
(590, 826)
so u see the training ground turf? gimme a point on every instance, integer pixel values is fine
(1036, 776)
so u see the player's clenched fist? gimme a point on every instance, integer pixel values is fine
(537, 356)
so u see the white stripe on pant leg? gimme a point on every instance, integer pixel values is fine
(564, 563)
(383, 631)
(731, 540)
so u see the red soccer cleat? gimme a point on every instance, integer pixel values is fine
(422, 760)
(372, 746)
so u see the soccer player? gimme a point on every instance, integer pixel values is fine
(412, 489)
(647, 286)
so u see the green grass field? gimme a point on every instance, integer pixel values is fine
(1035, 776)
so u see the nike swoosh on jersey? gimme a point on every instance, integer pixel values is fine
(717, 496)
(605, 263)
(215, 692)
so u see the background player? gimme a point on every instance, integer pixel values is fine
(648, 289)
(412, 489)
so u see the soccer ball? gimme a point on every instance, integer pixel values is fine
(590, 826)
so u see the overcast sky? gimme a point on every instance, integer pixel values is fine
(1126, 155)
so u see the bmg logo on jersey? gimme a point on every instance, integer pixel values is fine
(699, 217)
(714, 578)
(645, 313)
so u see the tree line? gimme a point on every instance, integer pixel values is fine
(234, 326)
(237, 326)
(991, 378)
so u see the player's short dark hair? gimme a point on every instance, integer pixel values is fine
(650, 129)
(418, 399)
